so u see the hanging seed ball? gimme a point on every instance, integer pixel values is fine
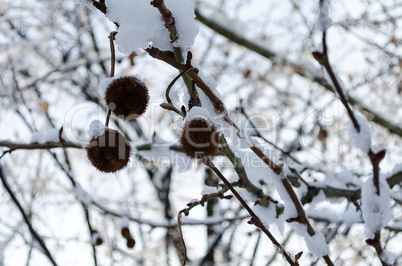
(109, 152)
(125, 232)
(130, 242)
(199, 138)
(98, 241)
(127, 97)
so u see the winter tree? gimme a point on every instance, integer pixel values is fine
(201, 132)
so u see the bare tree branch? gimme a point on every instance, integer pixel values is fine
(34, 234)
(13, 146)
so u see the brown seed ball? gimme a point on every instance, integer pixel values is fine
(127, 97)
(130, 242)
(125, 232)
(98, 241)
(199, 138)
(109, 152)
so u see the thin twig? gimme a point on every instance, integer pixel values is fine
(174, 81)
(112, 69)
(216, 102)
(205, 198)
(112, 53)
(376, 243)
(323, 59)
(38, 146)
(277, 169)
(109, 113)
(169, 59)
(91, 231)
(170, 105)
(181, 237)
(254, 218)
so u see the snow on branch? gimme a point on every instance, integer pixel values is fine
(376, 209)
(96, 129)
(141, 26)
(362, 138)
(323, 20)
(294, 210)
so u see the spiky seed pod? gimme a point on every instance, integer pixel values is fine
(199, 138)
(130, 242)
(127, 97)
(109, 152)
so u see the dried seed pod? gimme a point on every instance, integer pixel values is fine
(199, 138)
(125, 232)
(98, 241)
(127, 97)
(109, 152)
(130, 242)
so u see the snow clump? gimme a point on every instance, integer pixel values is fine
(375, 208)
(323, 20)
(361, 139)
(96, 129)
(141, 25)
